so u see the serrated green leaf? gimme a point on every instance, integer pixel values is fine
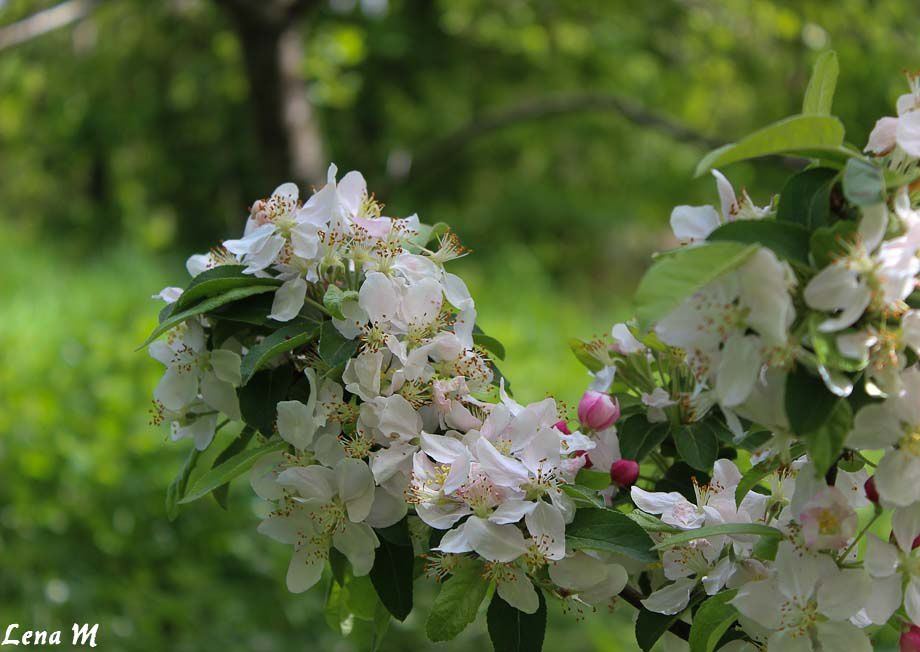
(711, 621)
(511, 630)
(787, 240)
(819, 96)
(176, 489)
(793, 135)
(728, 529)
(697, 445)
(605, 529)
(583, 496)
(678, 275)
(457, 602)
(207, 305)
(638, 437)
(218, 280)
(281, 341)
(228, 470)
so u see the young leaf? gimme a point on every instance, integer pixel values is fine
(819, 96)
(583, 354)
(234, 448)
(593, 479)
(217, 281)
(806, 198)
(457, 602)
(259, 398)
(715, 530)
(787, 240)
(863, 184)
(512, 630)
(335, 297)
(697, 445)
(583, 497)
(176, 490)
(605, 529)
(753, 476)
(826, 351)
(711, 621)
(392, 573)
(679, 274)
(229, 469)
(207, 305)
(811, 135)
(638, 437)
(333, 348)
(281, 341)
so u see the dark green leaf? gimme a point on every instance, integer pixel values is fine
(281, 341)
(808, 402)
(697, 445)
(716, 530)
(176, 490)
(806, 198)
(392, 573)
(235, 447)
(334, 349)
(605, 529)
(826, 443)
(785, 239)
(651, 626)
(863, 184)
(457, 602)
(819, 96)
(218, 280)
(490, 344)
(259, 398)
(797, 134)
(512, 630)
(638, 437)
(207, 305)
(229, 469)
(677, 275)
(711, 621)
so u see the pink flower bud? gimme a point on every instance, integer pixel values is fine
(598, 410)
(624, 472)
(910, 640)
(562, 427)
(871, 491)
(587, 457)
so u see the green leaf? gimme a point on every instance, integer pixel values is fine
(798, 134)
(826, 443)
(786, 239)
(711, 621)
(831, 242)
(235, 447)
(697, 445)
(333, 348)
(583, 353)
(651, 626)
(218, 280)
(605, 529)
(817, 417)
(679, 274)
(335, 297)
(584, 496)
(392, 573)
(281, 341)
(490, 344)
(229, 469)
(207, 305)
(512, 630)
(260, 396)
(806, 198)
(819, 96)
(716, 530)
(753, 476)
(638, 437)
(593, 479)
(826, 351)
(457, 602)
(651, 524)
(863, 183)
(176, 490)
(429, 232)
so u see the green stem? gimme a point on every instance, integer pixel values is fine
(859, 536)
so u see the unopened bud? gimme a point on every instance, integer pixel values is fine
(624, 472)
(598, 410)
(910, 640)
(562, 427)
(871, 491)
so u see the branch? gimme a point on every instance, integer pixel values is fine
(444, 148)
(44, 21)
(679, 628)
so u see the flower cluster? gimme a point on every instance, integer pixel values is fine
(743, 468)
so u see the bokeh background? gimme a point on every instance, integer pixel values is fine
(554, 135)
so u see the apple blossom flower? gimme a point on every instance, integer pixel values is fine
(828, 521)
(902, 131)
(695, 223)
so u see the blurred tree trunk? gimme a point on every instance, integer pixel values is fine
(270, 35)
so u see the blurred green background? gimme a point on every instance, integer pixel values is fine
(554, 135)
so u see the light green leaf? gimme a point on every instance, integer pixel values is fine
(819, 96)
(593, 479)
(677, 275)
(799, 134)
(228, 470)
(583, 354)
(717, 530)
(583, 496)
(863, 183)
(457, 602)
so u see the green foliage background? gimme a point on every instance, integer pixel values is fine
(127, 141)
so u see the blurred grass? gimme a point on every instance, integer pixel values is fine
(83, 532)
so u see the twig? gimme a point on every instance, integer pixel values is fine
(43, 22)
